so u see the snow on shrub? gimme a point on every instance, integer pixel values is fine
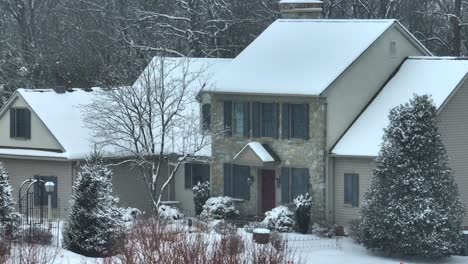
(169, 213)
(303, 204)
(323, 229)
(130, 214)
(219, 208)
(279, 219)
(201, 193)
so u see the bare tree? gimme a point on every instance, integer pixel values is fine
(153, 122)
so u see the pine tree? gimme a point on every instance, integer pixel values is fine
(413, 207)
(94, 222)
(201, 193)
(8, 214)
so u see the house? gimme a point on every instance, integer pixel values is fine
(44, 136)
(300, 110)
(445, 79)
(289, 96)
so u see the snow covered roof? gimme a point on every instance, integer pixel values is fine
(435, 76)
(62, 113)
(262, 153)
(299, 56)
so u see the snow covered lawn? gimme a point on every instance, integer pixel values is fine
(311, 249)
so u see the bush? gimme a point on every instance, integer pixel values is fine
(413, 207)
(250, 227)
(130, 214)
(303, 204)
(323, 229)
(352, 230)
(223, 228)
(169, 213)
(279, 219)
(201, 193)
(36, 235)
(219, 208)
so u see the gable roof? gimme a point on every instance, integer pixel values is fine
(62, 113)
(300, 56)
(435, 76)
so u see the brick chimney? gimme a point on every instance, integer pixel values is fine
(301, 9)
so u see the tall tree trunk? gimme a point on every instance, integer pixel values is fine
(456, 28)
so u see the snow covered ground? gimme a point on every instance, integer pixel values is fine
(310, 249)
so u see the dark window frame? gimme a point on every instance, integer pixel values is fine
(44, 195)
(191, 166)
(286, 181)
(290, 121)
(20, 129)
(351, 189)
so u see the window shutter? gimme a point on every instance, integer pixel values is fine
(307, 132)
(206, 116)
(299, 182)
(227, 179)
(245, 187)
(247, 119)
(347, 188)
(54, 194)
(188, 176)
(256, 119)
(355, 184)
(27, 125)
(285, 114)
(275, 120)
(228, 118)
(12, 123)
(285, 185)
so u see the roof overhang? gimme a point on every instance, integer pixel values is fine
(257, 155)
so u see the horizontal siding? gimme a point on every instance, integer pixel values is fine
(346, 213)
(20, 170)
(453, 126)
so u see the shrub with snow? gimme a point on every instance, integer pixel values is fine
(130, 214)
(94, 223)
(201, 193)
(413, 206)
(279, 219)
(303, 204)
(8, 215)
(323, 229)
(219, 208)
(169, 213)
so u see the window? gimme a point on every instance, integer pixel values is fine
(40, 194)
(20, 123)
(351, 189)
(206, 117)
(236, 181)
(294, 181)
(195, 173)
(295, 121)
(393, 48)
(237, 118)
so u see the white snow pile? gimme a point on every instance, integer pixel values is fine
(279, 219)
(129, 214)
(169, 213)
(219, 208)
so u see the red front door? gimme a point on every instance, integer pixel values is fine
(268, 190)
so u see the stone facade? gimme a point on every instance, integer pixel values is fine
(292, 153)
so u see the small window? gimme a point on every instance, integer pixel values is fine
(236, 181)
(40, 194)
(206, 117)
(393, 48)
(351, 189)
(20, 123)
(294, 181)
(237, 118)
(295, 122)
(195, 173)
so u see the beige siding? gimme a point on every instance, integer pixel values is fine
(346, 213)
(21, 170)
(453, 127)
(41, 137)
(184, 196)
(131, 188)
(350, 93)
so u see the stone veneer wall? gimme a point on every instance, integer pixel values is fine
(293, 153)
